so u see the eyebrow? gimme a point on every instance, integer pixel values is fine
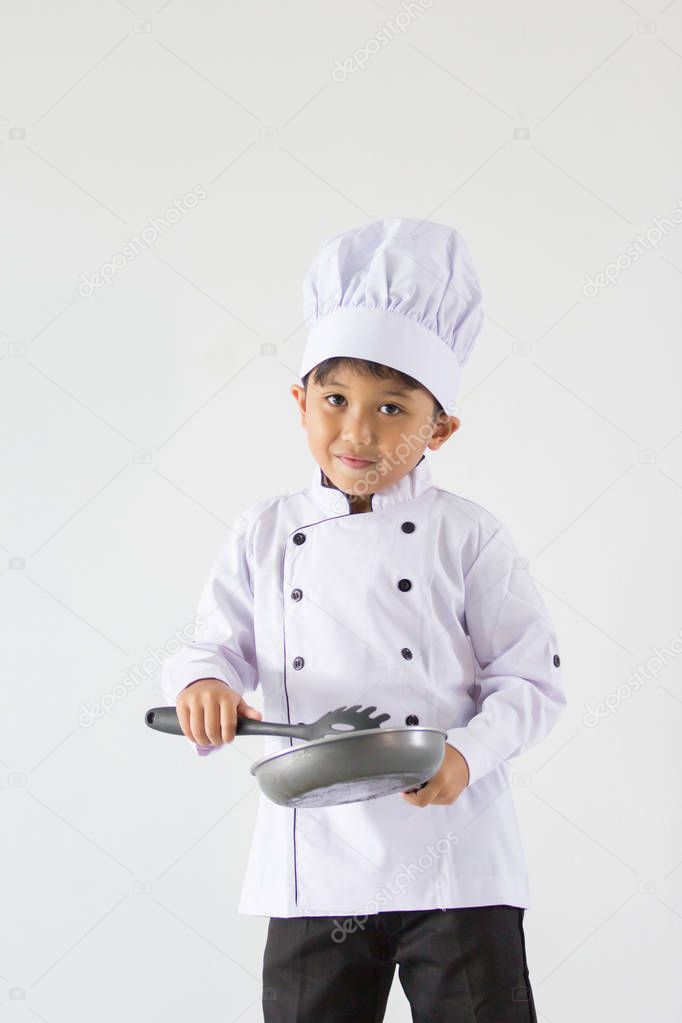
(399, 393)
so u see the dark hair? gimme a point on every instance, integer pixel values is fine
(377, 369)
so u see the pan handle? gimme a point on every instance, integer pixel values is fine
(165, 719)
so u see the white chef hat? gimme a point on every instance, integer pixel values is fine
(401, 292)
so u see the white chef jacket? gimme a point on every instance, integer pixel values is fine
(310, 601)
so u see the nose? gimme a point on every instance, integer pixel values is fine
(358, 429)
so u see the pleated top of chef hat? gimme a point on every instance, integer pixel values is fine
(402, 292)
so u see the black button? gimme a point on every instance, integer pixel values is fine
(299, 538)
(298, 663)
(296, 594)
(404, 585)
(408, 527)
(411, 719)
(557, 660)
(407, 653)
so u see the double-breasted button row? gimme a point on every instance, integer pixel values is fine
(403, 584)
(297, 594)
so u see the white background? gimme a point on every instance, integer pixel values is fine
(139, 419)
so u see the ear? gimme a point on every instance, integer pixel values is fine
(298, 393)
(447, 425)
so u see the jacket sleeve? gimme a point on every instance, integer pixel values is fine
(224, 647)
(519, 685)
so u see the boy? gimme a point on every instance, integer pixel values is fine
(375, 587)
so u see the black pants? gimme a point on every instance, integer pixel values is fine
(455, 966)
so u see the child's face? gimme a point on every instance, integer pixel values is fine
(379, 420)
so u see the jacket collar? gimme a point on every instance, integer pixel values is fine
(333, 500)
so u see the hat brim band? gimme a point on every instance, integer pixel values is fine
(391, 339)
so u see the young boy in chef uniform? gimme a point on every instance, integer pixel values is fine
(374, 586)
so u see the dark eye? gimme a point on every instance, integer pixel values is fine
(386, 404)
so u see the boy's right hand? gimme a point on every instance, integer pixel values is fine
(208, 709)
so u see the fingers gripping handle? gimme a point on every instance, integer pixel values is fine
(165, 719)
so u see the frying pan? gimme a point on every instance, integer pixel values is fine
(367, 762)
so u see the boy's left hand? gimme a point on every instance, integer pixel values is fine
(446, 785)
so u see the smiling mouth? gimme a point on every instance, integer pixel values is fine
(354, 463)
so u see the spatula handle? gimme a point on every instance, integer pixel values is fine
(165, 719)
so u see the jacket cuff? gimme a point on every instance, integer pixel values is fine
(479, 756)
(190, 666)
(203, 679)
